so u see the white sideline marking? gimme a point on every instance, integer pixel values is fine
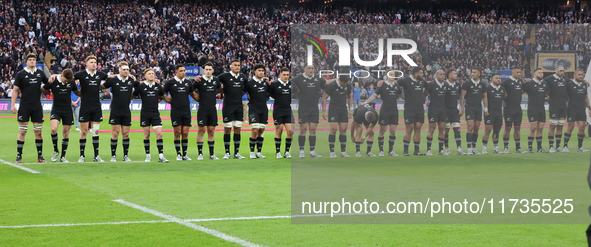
(189, 224)
(90, 224)
(241, 218)
(189, 220)
(278, 217)
(87, 162)
(19, 167)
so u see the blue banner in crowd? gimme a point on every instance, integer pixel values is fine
(193, 71)
(505, 74)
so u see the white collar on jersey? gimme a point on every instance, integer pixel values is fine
(305, 76)
(513, 78)
(59, 79)
(578, 83)
(121, 78)
(495, 87)
(91, 74)
(536, 80)
(257, 80)
(31, 71)
(207, 79)
(388, 83)
(412, 78)
(450, 83)
(475, 82)
(556, 76)
(150, 84)
(234, 75)
(440, 84)
(282, 83)
(179, 80)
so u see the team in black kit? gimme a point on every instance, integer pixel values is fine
(497, 101)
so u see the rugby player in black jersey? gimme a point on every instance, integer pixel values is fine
(258, 113)
(338, 115)
(28, 83)
(389, 91)
(536, 89)
(414, 111)
(232, 112)
(557, 106)
(207, 115)
(61, 88)
(120, 119)
(364, 116)
(578, 103)
(437, 91)
(307, 88)
(280, 90)
(180, 89)
(493, 114)
(151, 93)
(472, 94)
(454, 94)
(512, 110)
(91, 113)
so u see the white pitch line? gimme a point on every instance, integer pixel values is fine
(19, 167)
(188, 220)
(88, 162)
(189, 224)
(90, 224)
(241, 218)
(279, 217)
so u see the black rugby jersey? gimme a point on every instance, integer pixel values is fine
(233, 87)
(90, 85)
(61, 94)
(30, 83)
(207, 90)
(150, 95)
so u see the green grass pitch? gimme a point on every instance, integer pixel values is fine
(83, 193)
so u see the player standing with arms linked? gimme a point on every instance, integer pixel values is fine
(437, 91)
(307, 88)
(151, 94)
(389, 91)
(493, 113)
(28, 82)
(414, 111)
(536, 113)
(512, 111)
(232, 112)
(207, 115)
(578, 102)
(258, 113)
(454, 93)
(280, 90)
(472, 94)
(120, 120)
(338, 116)
(180, 113)
(557, 109)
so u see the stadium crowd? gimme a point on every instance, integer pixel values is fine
(160, 36)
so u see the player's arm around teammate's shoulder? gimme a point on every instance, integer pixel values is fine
(194, 93)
